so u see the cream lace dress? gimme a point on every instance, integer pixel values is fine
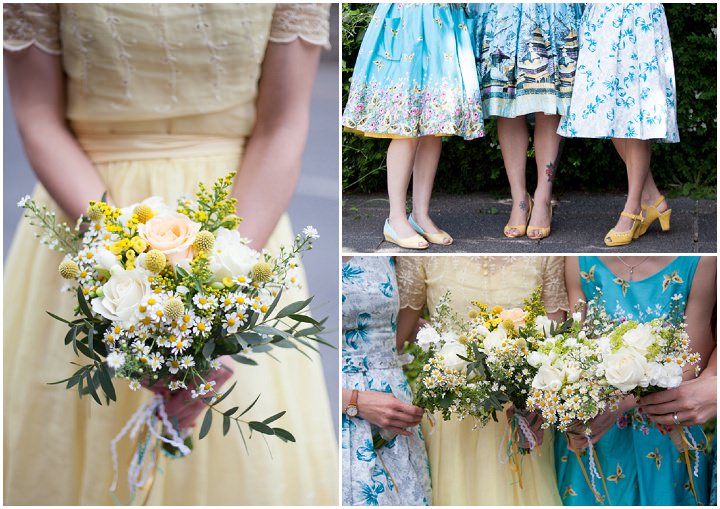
(467, 466)
(161, 97)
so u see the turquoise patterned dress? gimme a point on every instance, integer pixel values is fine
(641, 465)
(625, 81)
(415, 75)
(526, 56)
(398, 473)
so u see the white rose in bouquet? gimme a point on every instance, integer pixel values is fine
(625, 369)
(449, 337)
(106, 260)
(640, 338)
(122, 294)
(481, 330)
(543, 324)
(450, 352)
(572, 371)
(535, 359)
(427, 337)
(548, 378)
(494, 339)
(230, 256)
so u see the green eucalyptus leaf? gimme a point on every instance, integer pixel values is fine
(261, 428)
(283, 435)
(206, 423)
(274, 417)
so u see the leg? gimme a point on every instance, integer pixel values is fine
(513, 135)
(651, 193)
(547, 144)
(427, 158)
(637, 162)
(400, 158)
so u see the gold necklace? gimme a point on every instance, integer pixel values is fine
(631, 268)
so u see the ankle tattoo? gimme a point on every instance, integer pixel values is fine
(523, 205)
(550, 171)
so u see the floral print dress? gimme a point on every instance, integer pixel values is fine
(397, 473)
(640, 465)
(625, 80)
(415, 75)
(526, 56)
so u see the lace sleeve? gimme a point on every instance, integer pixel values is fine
(25, 25)
(410, 272)
(554, 294)
(310, 22)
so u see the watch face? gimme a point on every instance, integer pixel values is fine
(351, 411)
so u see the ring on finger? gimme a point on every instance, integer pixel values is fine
(675, 419)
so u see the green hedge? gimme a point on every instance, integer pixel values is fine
(687, 168)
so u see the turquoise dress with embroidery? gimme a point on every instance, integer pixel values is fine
(641, 466)
(398, 473)
(415, 75)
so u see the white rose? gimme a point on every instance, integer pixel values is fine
(426, 337)
(625, 369)
(572, 371)
(548, 378)
(230, 256)
(121, 295)
(543, 324)
(450, 352)
(105, 259)
(449, 337)
(481, 330)
(156, 203)
(493, 340)
(535, 359)
(640, 338)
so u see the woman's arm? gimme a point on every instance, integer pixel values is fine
(408, 322)
(273, 155)
(37, 92)
(573, 285)
(385, 410)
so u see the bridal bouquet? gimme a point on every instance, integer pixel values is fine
(164, 292)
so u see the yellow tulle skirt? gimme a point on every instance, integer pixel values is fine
(57, 447)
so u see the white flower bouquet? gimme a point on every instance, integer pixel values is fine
(164, 293)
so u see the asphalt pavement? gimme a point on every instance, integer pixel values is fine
(580, 222)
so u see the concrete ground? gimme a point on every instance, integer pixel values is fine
(315, 203)
(580, 222)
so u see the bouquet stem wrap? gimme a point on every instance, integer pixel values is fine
(685, 442)
(143, 465)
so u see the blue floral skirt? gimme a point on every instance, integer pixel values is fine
(625, 85)
(415, 75)
(526, 56)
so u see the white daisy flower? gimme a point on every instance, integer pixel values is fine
(23, 201)
(134, 385)
(215, 364)
(173, 365)
(232, 323)
(175, 385)
(205, 301)
(202, 326)
(310, 232)
(187, 362)
(243, 281)
(180, 345)
(115, 359)
(156, 361)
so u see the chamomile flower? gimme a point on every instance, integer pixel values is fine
(156, 361)
(202, 326)
(202, 301)
(215, 364)
(115, 360)
(310, 232)
(232, 323)
(173, 365)
(176, 385)
(134, 385)
(187, 362)
(180, 345)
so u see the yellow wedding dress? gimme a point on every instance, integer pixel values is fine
(468, 467)
(161, 97)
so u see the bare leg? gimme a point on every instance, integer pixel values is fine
(651, 193)
(427, 158)
(400, 158)
(547, 144)
(637, 162)
(513, 136)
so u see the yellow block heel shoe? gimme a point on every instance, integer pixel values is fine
(441, 238)
(414, 242)
(522, 228)
(616, 238)
(651, 214)
(542, 231)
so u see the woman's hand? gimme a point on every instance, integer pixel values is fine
(693, 401)
(534, 427)
(182, 406)
(386, 411)
(577, 441)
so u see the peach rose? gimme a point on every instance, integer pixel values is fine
(172, 234)
(517, 316)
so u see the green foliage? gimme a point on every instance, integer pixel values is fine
(687, 168)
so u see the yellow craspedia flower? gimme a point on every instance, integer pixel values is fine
(204, 241)
(463, 340)
(233, 220)
(261, 271)
(155, 261)
(173, 308)
(138, 244)
(68, 269)
(521, 343)
(143, 213)
(95, 213)
(472, 314)
(508, 324)
(497, 310)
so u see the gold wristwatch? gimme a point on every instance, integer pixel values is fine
(352, 408)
